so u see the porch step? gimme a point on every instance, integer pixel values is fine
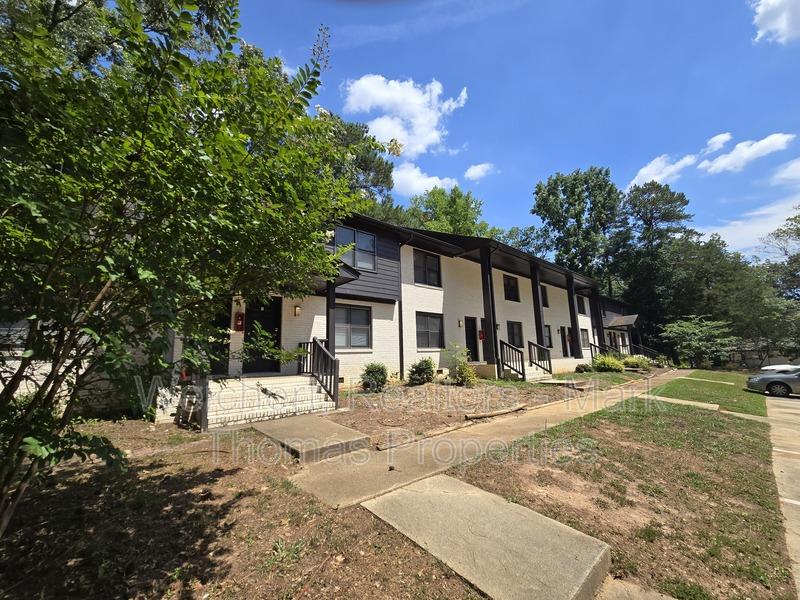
(310, 438)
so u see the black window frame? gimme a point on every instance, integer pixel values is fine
(428, 332)
(545, 298)
(511, 327)
(355, 250)
(511, 284)
(349, 324)
(548, 336)
(581, 301)
(585, 339)
(423, 263)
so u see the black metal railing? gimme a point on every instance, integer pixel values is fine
(512, 358)
(595, 350)
(644, 351)
(316, 360)
(540, 356)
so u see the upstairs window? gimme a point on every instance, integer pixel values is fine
(511, 288)
(430, 330)
(515, 333)
(581, 305)
(362, 254)
(427, 269)
(545, 300)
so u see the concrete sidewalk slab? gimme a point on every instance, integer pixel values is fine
(706, 380)
(352, 478)
(704, 405)
(310, 438)
(784, 418)
(617, 589)
(504, 549)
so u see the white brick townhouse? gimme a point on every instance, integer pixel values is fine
(402, 295)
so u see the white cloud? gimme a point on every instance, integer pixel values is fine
(662, 169)
(746, 152)
(409, 180)
(776, 20)
(479, 171)
(745, 232)
(716, 143)
(412, 113)
(787, 174)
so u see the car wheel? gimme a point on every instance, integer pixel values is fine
(778, 389)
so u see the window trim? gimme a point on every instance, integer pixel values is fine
(425, 255)
(349, 344)
(521, 334)
(440, 316)
(508, 279)
(545, 297)
(588, 338)
(355, 250)
(548, 336)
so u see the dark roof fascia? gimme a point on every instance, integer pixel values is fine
(405, 235)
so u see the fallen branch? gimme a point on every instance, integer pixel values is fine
(494, 413)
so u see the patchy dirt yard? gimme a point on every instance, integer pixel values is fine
(685, 497)
(194, 517)
(404, 413)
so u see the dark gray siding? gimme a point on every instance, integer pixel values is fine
(384, 282)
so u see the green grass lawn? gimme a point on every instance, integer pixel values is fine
(729, 397)
(685, 497)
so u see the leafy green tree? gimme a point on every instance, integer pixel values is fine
(370, 171)
(142, 183)
(698, 341)
(784, 243)
(388, 211)
(579, 213)
(451, 211)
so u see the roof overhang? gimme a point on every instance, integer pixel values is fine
(346, 275)
(620, 322)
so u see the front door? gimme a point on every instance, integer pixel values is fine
(269, 317)
(487, 348)
(471, 333)
(221, 349)
(564, 342)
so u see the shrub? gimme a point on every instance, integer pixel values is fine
(583, 368)
(374, 377)
(421, 371)
(637, 361)
(604, 362)
(461, 372)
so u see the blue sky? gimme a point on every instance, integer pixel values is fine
(520, 89)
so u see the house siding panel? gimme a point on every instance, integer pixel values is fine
(384, 282)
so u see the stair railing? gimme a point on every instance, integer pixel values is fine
(512, 358)
(539, 356)
(316, 360)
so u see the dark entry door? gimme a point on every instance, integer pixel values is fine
(471, 333)
(564, 342)
(269, 317)
(221, 349)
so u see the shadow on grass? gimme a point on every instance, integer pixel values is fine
(97, 533)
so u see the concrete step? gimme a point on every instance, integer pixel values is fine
(311, 438)
(255, 415)
(504, 549)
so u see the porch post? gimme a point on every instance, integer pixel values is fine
(538, 315)
(573, 318)
(330, 317)
(488, 305)
(597, 315)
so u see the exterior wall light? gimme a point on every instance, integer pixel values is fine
(460, 323)
(297, 311)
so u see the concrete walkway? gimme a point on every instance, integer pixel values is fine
(358, 476)
(504, 549)
(784, 416)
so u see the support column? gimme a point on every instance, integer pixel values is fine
(573, 318)
(488, 306)
(538, 314)
(330, 317)
(597, 317)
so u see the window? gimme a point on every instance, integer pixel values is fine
(427, 269)
(362, 254)
(548, 337)
(545, 301)
(430, 333)
(622, 338)
(581, 305)
(511, 288)
(353, 327)
(515, 333)
(584, 338)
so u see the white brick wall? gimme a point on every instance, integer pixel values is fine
(557, 315)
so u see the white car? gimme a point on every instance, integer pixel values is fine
(778, 367)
